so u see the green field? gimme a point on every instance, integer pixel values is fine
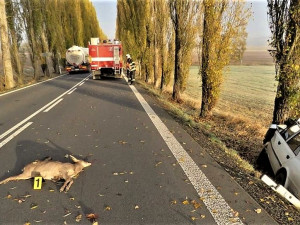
(247, 92)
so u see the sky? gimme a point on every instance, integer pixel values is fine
(258, 29)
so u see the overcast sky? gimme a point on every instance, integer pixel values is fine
(258, 29)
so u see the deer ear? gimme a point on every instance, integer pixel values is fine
(74, 159)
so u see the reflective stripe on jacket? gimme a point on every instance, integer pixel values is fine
(132, 66)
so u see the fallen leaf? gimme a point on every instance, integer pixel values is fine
(12, 188)
(131, 172)
(123, 142)
(194, 218)
(51, 190)
(72, 198)
(27, 223)
(95, 223)
(78, 206)
(235, 213)
(26, 196)
(142, 141)
(195, 204)
(33, 206)
(115, 174)
(185, 202)
(174, 202)
(202, 216)
(67, 214)
(78, 218)
(158, 163)
(251, 182)
(100, 195)
(204, 166)
(136, 207)
(38, 221)
(8, 196)
(286, 213)
(92, 217)
(290, 219)
(126, 181)
(257, 211)
(107, 208)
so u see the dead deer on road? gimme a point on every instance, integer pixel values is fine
(52, 170)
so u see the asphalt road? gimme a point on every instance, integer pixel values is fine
(145, 168)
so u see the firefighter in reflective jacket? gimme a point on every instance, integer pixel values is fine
(132, 69)
(128, 61)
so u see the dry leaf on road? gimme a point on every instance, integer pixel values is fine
(78, 218)
(257, 211)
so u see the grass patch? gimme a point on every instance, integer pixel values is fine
(183, 113)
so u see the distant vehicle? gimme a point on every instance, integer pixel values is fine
(106, 58)
(282, 147)
(77, 59)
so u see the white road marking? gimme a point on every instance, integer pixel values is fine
(215, 203)
(47, 110)
(30, 86)
(5, 141)
(81, 84)
(72, 91)
(37, 112)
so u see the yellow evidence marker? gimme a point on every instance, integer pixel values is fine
(37, 184)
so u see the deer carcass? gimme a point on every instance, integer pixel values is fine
(52, 170)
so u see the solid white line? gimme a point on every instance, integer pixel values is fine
(5, 141)
(215, 203)
(47, 110)
(81, 84)
(35, 113)
(30, 86)
(72, 91)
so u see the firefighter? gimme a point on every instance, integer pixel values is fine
(128, 61)
(132, 71)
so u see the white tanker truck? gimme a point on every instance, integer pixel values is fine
(77, 59)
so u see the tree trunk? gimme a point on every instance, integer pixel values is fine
(206, 89)
(6, 58)
(47, 57)
(16, 58)
(176, 96)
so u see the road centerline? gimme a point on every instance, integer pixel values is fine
(38, 111)
(217, 206)
(9, 138)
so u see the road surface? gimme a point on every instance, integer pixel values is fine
(145, 168)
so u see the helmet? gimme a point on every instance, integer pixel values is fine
(127, 56)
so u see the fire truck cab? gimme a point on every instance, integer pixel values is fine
(106, 58)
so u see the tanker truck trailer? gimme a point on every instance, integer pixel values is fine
(77, 59)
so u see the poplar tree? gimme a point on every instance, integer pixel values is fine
(6, 57)
(284, 20)
(221, 25)
(183, 14)
(15, 35)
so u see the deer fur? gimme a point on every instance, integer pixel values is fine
(52, 170)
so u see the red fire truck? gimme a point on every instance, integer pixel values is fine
(105, 58)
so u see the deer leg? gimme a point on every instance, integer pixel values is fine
(65, 184)
(22, 176)
(69, 185)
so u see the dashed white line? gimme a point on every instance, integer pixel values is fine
(81, 84)
(215, 203)
(9, 138)
(38, 111)
(72, 91)
(48, 109)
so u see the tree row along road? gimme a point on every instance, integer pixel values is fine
(145, 168)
